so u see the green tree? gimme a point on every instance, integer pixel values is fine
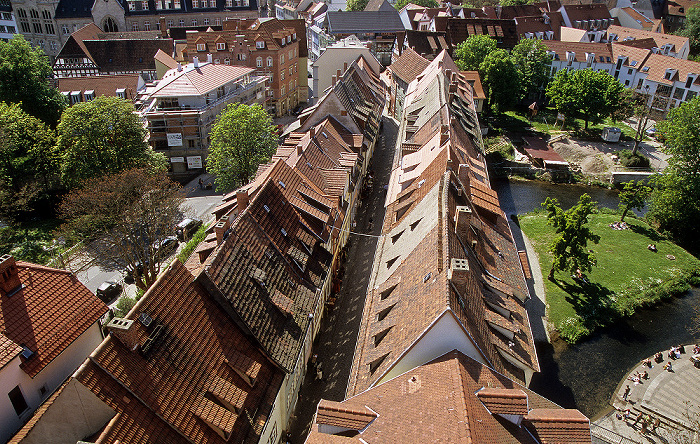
(103, 136)
(570, 244)
(25, 73)
(469, 54)
(634, 195)
(532, 61)
(501, 78)
(515, 2)
(243, 137)
(29, 163)
(691, 29)
(424, 3)
(356, 5)
(126, 215)
(585, 93)
(675, 207)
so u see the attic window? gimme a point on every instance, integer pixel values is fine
(391, 262)
(427, 277)
(374, 365)
(383, 314)
(379, 336)
(385, 294)
(633, 63)
(266, 208)
(414, 224)
(324, 134)
(396, 237)
(645, 69)
(284, 232)
(260, 44)
(282, 184)
(420, 184)
(27, 352)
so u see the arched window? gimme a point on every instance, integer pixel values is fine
(258, 62)
(110, 25)
(269, 61)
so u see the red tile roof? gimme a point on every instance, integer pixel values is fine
(106, 85)
(164, 394)
(47, 314)
(661, 39)
(504, 401)
(552, 426)
(8, 350)
(339, 415)
(408, 65)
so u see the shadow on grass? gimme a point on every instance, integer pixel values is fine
(646, 231)
(592, 301)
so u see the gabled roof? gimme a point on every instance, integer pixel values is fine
(276, 244)
(50, 311)
(105, 85)
(427, 44)
(165, 59)
(580, 49)
(164, 394)
(378, 5)
(504, 31)
(440, 401)
(657, 65)
(408, 65)
(680, 7)
(191, 81)
(661, 39)
(639, 17)
(357, 22)
(591, 11)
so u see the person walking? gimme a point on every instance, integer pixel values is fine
(627, 392)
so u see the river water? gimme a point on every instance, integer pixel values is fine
(585, 376)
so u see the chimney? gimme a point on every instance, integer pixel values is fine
(163, 29)
(463, 221)
(195, 61)
(312, 132)
(444, 133)
(345, 66)
(125, 331)
(242, 199)
(458, 272)
(219, 229)
(448, 74)
(209, 59)
(300, 149)
(338, 74)
(453, 87)
(463, 175)
(9, 274)
(179, 66)
(333, 79)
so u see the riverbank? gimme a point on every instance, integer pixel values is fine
(628, 275)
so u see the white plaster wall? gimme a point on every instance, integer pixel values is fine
(334, 59)
(102, 9)
(445, 335)
(52, 375)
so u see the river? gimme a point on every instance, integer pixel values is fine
(585, 376)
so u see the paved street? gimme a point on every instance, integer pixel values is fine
(92, 272)
(664, 395)
(335, 345)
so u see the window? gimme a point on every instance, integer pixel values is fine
(282, 90)
(194, 22)
(170, 23)
(274, 435)
(121, 92)
(18, 401)
(206, 22)
(52, 44)
(49, 28)
(282, 78)
(134, 26)
(678, 93)
(132, 6)
(177, 4)
(221, 46)
(241, 56)
(46, 15)
(258, 62)
(290, 54)
(144, 6)
(229, 3)
(217, 61)
(269, 61)
(195, 3)
(42, 44)
(201, 47)
(37, 28)
(182, 22)
(65, 30)
(260, 44)
(227, 61)
(217, 21)
(147, 25)
(282, 59)
(639, 85)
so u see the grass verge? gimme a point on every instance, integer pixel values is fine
(628, 275)
(198, 237)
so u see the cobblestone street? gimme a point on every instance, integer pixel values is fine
(335, 344)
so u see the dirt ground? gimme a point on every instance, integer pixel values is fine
(595, 159)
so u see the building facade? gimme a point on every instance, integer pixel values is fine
(8, 26)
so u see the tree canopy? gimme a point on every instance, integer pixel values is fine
(425, 3)
(469, 54)
(570, 244)
(533, 63)
(585, 93)
(501, 78)
(634, 195)
(242, 138)
(102, 136)
(691, 29)
(126, 214)
(675, 207)
(29, 164)
(356, 5)
(25, 72)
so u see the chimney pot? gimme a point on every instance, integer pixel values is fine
(338, 74)
(458, 272)
(333, 80)
(195, 61)
(345, 66)
(300, 149)
(179, 66)
(312, 132)
(125, 331)
(220, 228)
(209, 58)
(463, 175)
(463, 222)
(9, 274)
(242, 200)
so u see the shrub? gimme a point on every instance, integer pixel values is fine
(630, 160)
(198, 237)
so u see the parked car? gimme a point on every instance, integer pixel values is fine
(108, 291)
(651, 132)
(163, 248)
(187, 228)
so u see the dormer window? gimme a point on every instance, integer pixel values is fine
(260, 44)
(221, 46)
(201, 46)
(570, 56)
(669, 74)
(690, 80)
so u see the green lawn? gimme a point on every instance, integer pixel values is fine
(627, 276)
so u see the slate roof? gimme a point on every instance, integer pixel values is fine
(409, 285)
(595, 11)
(439, 402)
(74, 9)
(191, 81)
(358, 22)
(46, 315)
(260, 256)
(164, 395)
(408, 65)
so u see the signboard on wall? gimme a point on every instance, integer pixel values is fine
(177, 160)
(174, 139)
(194, 162)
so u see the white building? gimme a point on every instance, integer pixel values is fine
(50, 324)
(8, 26)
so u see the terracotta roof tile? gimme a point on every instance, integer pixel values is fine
(504, 401)
(622, 32)
(8, 350)
(558, 425)
(339, 414)
(408, 65)
(167, 395)
(50, 311)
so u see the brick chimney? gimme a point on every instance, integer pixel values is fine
(9, 274)
(463, 221)
(333, 79)
(463, 175)
(242, 200)
(312, 132)
(125, 331)
(338, 74)
(300, 149)
(458, 272)
(163, 29)
(345, 66)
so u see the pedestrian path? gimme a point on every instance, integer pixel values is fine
(667, 398)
